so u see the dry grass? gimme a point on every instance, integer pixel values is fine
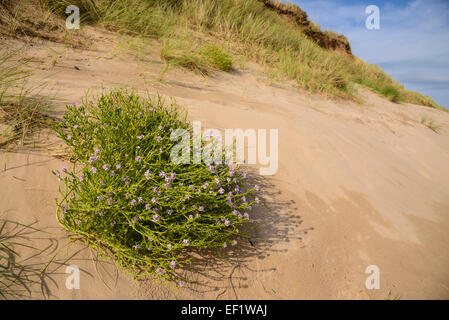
(22, 107)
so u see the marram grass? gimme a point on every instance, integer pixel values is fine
(126, 198)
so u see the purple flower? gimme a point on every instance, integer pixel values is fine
(93, 170)
(93, 158)
(106, 167)
(257, 200)
(154, 200)
(64, 169)
(224, 245)
(112, 173)
(100, 198)
(221, 191)
(173, 263)
(201, 208)
(138, 159)
(181, 284)
(81, 177)
(112, 223)
(100, 213)
(186, 242)
(133, 202)
(160, 127)
(69, 137)
(227, 223)
(137, 246)
(190, 217)
(257, 187)
(147, 206)
(158, 139)
(155, 218)
(234, 242)
(110, 201)
(148, 175)
(140, 199)
(118, 166)
(140, 137)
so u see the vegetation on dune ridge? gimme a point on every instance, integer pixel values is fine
(326, 39)
(278, 36)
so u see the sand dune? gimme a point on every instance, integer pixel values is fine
(357, 185)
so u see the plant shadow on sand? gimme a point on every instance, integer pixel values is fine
(274, 222)
(27, 272)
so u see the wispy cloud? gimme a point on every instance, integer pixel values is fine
(412, 44)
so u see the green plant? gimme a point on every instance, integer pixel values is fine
(217, 57)
(430, 123)
(390, 296)
(391, 92)
(125, 197)
(180, 54)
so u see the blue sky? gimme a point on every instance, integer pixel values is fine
(412, 44)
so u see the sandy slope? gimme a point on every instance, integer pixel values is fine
(357, 185)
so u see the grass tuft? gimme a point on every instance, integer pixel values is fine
(430, 123)
(391, 92)
(217, 57)
(22, 109)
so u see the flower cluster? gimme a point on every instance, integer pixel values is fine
(128, 198)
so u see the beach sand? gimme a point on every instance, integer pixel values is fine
(357, 185)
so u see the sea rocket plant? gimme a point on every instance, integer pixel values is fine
(134, 203)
